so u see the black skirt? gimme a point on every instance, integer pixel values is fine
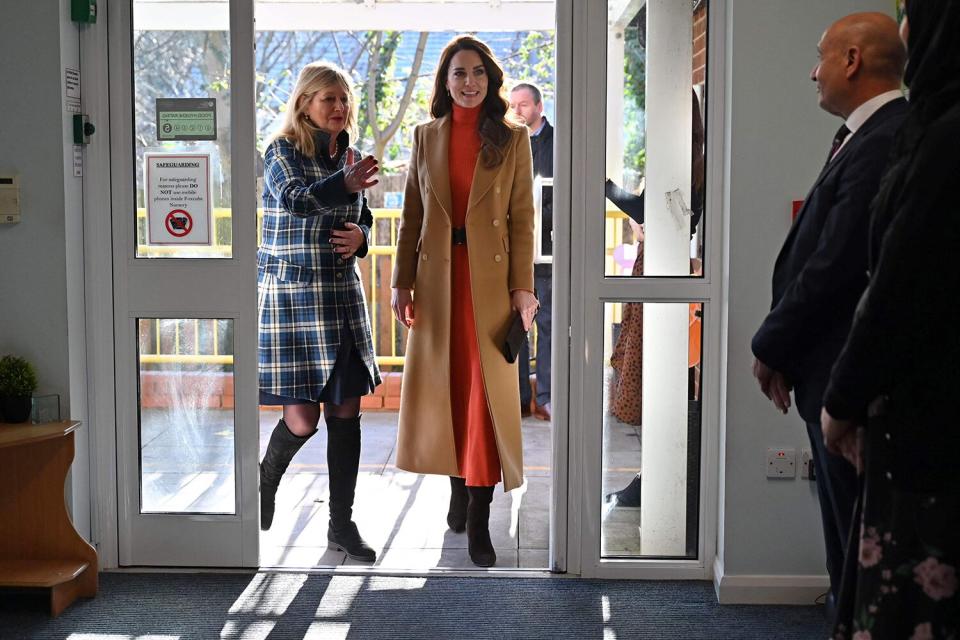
(350, 378)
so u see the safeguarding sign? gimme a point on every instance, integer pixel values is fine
(178, 198)
(186, 119)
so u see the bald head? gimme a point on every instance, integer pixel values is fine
(861, 56)
(877, 36)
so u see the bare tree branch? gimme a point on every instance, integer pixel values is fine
(336, 43)
(397, 119)
(372, 66)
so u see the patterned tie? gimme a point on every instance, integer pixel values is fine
(838, 139)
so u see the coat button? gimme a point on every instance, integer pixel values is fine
(889, 475)
(423, 255)
(340, 260)
(496, 223)
(496, 189)
(339, 275)
(497, 258)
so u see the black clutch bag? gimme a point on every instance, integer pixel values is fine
(516, 337)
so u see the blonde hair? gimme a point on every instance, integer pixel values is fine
(313, 78)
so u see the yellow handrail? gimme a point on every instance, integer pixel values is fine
(387, 354)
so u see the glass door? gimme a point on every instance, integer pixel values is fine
(645, 281)
(184, 227)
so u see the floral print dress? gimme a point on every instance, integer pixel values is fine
(906, 558)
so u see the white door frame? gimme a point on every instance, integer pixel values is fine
(98, 292)
(564, 474)
(590, 289)
(218, 288)
(576, 439)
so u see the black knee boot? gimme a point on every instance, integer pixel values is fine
(478, 527)
(457, 513)
(343, 461)
(283, 446)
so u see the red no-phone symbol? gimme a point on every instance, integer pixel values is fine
(178, 223)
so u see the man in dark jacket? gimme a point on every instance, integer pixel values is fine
(526, 102)
(821, 271)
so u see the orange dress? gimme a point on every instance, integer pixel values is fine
(476, 443)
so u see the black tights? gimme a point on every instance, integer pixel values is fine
(302, 419)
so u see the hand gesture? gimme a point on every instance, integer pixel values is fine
(402, 302)
(526, 303)
(357, 176)
(347, 241)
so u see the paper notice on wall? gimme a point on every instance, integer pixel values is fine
(71, 90)
(77, 161)
(178, 202)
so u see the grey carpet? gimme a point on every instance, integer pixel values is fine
(187, 606)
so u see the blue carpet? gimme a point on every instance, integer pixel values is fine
(275, 606)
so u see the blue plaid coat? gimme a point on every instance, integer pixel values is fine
(307, 294)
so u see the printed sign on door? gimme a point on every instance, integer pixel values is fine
(178, 198)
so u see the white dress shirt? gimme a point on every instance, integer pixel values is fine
(862, 113)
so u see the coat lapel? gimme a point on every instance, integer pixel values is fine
(438, 169)
(483, 179)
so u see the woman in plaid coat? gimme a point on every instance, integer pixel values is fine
(314, 332)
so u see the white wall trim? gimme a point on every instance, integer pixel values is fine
(768, 589)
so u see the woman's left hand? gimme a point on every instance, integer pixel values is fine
(526, 303)
(347, 241)
(844, 438)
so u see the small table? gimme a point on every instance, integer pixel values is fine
(39, 548)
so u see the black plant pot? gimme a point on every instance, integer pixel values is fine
(16, 408)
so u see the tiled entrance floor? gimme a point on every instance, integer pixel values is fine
(403, 515)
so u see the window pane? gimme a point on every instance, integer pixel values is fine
(651, 430)
(181, 98)
(187, 437)
(655, 138)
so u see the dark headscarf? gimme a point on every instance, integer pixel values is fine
(933, 76)
(933, 50)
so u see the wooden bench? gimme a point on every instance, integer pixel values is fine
(39, 547)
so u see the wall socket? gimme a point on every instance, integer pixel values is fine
(781, 462)
(807, 470)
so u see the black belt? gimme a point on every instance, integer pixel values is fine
(459, 235)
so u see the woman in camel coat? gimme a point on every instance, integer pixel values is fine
(460, 403)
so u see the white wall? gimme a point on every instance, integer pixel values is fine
(41, 259)
(777, 137)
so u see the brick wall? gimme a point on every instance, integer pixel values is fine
(700, 44)
(161, 390)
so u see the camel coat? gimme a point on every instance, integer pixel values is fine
(499, 224)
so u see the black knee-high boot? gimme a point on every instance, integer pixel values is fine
(343, 461)
(457, 513)
(283, 446)
(478, 527)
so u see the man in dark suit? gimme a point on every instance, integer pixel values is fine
(526, 102)
(821, 271)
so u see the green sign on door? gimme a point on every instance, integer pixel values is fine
(186, 119)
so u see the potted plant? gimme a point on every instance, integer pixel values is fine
(18, 381)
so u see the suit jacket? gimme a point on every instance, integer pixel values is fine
(541, 146)
(499, 227)
(821, 271)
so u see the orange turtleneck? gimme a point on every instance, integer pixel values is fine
(477, 455)
(462, 158)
